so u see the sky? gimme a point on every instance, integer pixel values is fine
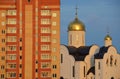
(99, 17)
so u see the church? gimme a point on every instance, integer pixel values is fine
(79, 61)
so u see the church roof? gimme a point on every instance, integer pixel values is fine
(101, 53)
(79, 53)
(91, 70)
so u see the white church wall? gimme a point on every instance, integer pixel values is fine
(80, 70)
(66, 64)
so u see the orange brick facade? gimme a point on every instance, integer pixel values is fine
(29, 39)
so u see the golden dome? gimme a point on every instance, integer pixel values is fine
(76, 25)
(108, 37)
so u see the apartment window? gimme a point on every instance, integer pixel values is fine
(45, 38)
(20, 75)
(54, 49)
(45, 21)
(3, 31)
(20, 48)
(11, 65)
(45, 47)
(20, 57)
(3, 49)
(54, 75)
(54, 14)
(3, 40)
(45, 74)
(20, 39)
(2, 23)
(11, 57)
(11, 48)
(54, 66)
(54, 58)
(2, 57)
(11, 38)
(54, 40)
(20, 65)
(54, 23)
(11, 21)
(11, 30)
(45, 56)
(2, 76)
(45, 30)
(45, 12)
(2, 14)
(36, 70)
(54, 32)
(11, 12)
(45, 65)
(2, 67)
(11, 75)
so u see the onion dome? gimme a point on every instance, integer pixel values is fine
(76, 25)
(108, 37)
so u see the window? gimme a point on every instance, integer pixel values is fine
(2, 67)
(3, 49)
(61, 58)
(54, 66)
(98, 65)
(45, 12)
(45, 47)
(11, 21)
(111, 60)
(11, 38)
(11, 57)
(11, 48)
(45, 38)
(11, 65)
(11, 30)
(54, 40)
(45, 21)
(54, 32)
(54, 49)
(115, 62)
(3, 40)
(2, 23)
(45, 30)
(2, 57)
(54, 58)
(84, 71)
(20, 48)
(11, 12)
(20, 75)
(28, 0)
(2, 76)
(54, 14)
(11, 75)
(45, 65)
(54, 75)
(20, 39)
(54, 23)
(73, 71)
(20, 65)
(45, 74)
(45, 56)
(3, 31)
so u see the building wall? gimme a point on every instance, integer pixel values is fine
(32, 33)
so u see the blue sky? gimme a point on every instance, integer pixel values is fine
(97, 15)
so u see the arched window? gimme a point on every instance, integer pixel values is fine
(115, 62)
(112, 77)
(111, 60)
(107, 61)
(61, 78)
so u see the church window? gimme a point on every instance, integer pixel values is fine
(84, 71)
(107, 61)
(61, 58)
(98, 65)
(111, 60)
(73, 71)
(115, 62)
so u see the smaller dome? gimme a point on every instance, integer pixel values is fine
(108, 37)
(76, 25)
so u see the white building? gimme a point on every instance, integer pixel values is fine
(79, 61)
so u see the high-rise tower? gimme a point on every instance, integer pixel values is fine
(29, 39)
